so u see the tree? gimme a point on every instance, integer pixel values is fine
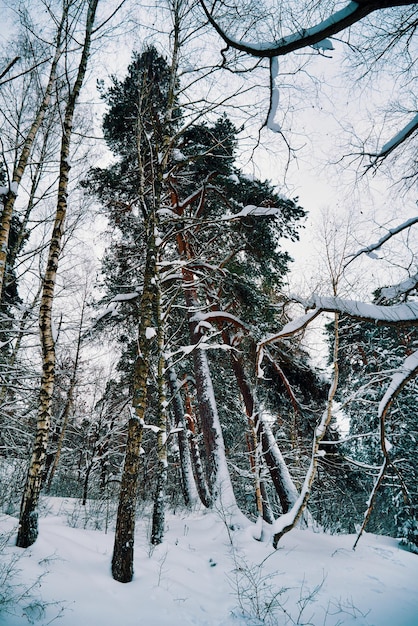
(28, 520)
(246, 256)
(368, 359)
(23, 151)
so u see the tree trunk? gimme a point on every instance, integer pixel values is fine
(158, 518)
(218, 478)
(275, 462)
(187, 481)
(282, 481)
(201, 483)
(68, 405)
(123, 549)
(28, 521)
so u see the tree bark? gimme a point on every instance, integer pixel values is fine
(123, 549)
(158, 518)
(28, 520)
(199, 473)
(187, 481)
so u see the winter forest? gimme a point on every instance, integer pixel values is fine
(208, 309)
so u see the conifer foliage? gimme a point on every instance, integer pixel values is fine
(189, 270)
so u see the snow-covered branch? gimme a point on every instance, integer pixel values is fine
(398, 139)
(253, 211)
(340, 20)
(396, 314)
(376, 246)
(218, 316)
(386, 315)
(407, 371)
(401, 288)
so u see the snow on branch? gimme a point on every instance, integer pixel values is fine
(254, 211)
(218, 316)
(376, 246)
(384, 315)
(404, 374)
(304, 37)
(274, 96)
(396, 141)
(398, 290)
(396, 314)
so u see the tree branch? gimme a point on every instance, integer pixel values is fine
(340, 20)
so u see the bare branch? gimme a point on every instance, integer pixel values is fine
(340, 20)
(9, 66)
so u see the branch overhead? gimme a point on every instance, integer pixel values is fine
(352, 13)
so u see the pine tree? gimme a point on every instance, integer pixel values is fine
(213, 264)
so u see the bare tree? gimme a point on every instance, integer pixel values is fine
(28, 521)
(23, 149)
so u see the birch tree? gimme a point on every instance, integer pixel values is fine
(22, 151)
(28, 520)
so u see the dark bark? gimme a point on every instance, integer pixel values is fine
(123, 549)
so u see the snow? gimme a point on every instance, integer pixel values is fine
(324, 44)
(167, 213)
(378, 244)
(405, 372)
(150, 332)
(217, 315)
(397, 290)
(254, 211)
(406, 312)
(124, 297)
(329, 26)
(195, 576)
(178, 155)
(400, 137)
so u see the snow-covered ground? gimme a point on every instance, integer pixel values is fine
(204, 574)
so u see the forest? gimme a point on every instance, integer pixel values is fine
(208, 274)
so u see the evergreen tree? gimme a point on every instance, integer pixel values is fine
(220, 267)
(370, 354)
